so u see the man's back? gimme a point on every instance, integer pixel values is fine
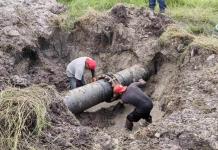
(136, 97)
(76, 68)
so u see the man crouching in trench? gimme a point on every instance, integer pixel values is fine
(133, 95)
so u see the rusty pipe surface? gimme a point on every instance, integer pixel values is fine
(85, 97)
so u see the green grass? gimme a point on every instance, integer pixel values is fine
(22, 115)
(199, 16)
(175, 33)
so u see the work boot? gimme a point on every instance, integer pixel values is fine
(151, 14)
(149, 119)
(162, 11)
(129, 125)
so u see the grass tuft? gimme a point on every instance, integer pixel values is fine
(207, 43)
(174, 32)
(22, 115)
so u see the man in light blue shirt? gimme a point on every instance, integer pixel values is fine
(76, 69)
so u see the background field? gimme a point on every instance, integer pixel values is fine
(198, 16)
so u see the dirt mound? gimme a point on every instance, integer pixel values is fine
(22, 23)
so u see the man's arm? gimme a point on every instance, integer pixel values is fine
(93, 75)
(114, 98)
(141, 83)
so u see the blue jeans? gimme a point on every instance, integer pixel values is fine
(152, 4)
(74, 83)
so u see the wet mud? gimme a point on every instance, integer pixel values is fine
(113, 116)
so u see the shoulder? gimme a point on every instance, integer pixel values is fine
(134, 84)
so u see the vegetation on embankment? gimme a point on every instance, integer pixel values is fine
(197, 16)
(203, 42)
(188, 44)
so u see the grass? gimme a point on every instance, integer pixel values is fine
(22, 115)
(198, 16)
(174, 36)
(174, 32)
(207, 43)
(198, 19)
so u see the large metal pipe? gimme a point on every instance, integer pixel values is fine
(84, 97)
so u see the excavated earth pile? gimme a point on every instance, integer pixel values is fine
(35, 50)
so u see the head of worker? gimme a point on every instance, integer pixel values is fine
(119, 89)
(91, 65)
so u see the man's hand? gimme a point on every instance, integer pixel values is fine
(94, 79)
(142, 81)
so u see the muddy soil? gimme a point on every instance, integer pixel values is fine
(112, 116)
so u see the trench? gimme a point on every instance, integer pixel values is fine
(112, 116)
(40, 63)
(46, 63)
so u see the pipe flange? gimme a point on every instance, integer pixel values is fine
(110, 78)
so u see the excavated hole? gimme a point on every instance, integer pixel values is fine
(105, 115)
(29, 54)
(55, 53)
(26, 60)
(113, 115)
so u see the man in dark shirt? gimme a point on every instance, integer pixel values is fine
(133, 95)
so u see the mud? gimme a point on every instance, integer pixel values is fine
(112, 116)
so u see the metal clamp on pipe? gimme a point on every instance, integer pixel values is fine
(110, 78)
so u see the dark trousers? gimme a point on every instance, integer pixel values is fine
(136, 116)
(152, 4)
(74, 83)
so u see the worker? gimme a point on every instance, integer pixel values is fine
(152, 4)
(76, 69)
(133, 95)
